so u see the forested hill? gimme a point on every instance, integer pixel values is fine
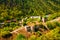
(21, 8)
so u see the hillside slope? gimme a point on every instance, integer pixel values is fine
(21, 8)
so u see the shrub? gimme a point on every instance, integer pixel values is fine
(12, 24)
(20, 37)
(24, 23)
(57, 23)
(8, 29)
(51, 25)
(39, 33)
(33, 37)
(7, 24)
(6, 34)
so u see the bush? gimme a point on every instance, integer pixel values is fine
(33, 37)
(39, 33)
(57, 24)
(20, 37)
(8, 29)
(12, 24)
(51, 25)
(24, 23)
(5, 34)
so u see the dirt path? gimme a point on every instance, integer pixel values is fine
(57, 19)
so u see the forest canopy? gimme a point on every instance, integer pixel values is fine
(24, 8)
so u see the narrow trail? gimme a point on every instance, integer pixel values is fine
(57, 19)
